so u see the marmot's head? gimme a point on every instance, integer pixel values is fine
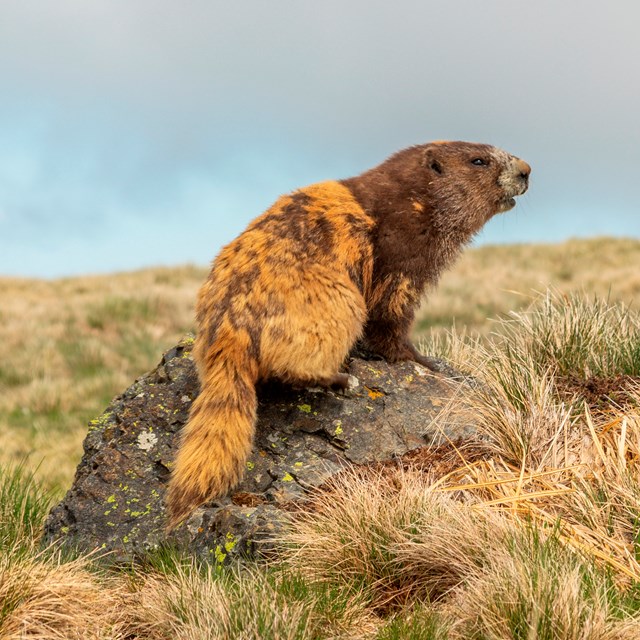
(472, 182)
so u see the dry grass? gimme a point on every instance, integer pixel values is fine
(534, 533)
(531, 532)
(486, 572)
(43, 598)
(46, 594)
(532, 588)
(198, 602)
(363, 528)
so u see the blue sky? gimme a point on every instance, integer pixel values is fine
(143, 132)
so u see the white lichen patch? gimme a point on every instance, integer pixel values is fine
(147, 440)
(353, 383)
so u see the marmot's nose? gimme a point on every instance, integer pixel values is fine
(523, 168)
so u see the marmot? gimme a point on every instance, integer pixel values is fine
(324, 266)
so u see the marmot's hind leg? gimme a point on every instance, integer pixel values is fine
(336, 381)
(307, 345)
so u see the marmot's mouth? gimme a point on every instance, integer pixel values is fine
(506, 204)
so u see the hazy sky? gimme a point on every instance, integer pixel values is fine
(142, 132)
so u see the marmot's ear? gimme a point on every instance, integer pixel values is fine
(430, 162)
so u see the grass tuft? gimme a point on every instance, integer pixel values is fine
(419, 623)
(533, 588)
(24, 505)
(43, 597)
(578, 337)
(254, 605)
(393, 535)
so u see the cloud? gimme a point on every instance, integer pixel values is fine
(117, 114)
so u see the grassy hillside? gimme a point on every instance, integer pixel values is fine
(68, 346)
(493, 280)
(532, 532)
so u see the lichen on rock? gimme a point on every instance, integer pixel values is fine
(303, 437)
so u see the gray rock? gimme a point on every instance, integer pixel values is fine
(303, 437)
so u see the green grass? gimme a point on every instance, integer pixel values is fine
(24, 506)
(420, 623)
(580, 336)
(11, 377)
(115, 310)
(537, 538)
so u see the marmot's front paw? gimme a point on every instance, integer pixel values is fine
(351, 387)
(433, 364)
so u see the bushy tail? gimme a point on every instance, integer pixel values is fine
(217, 439)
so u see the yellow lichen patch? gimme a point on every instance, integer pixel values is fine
(230, 542)
(219, 554)
(418, 206)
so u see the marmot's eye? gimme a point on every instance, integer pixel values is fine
(479, 162)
